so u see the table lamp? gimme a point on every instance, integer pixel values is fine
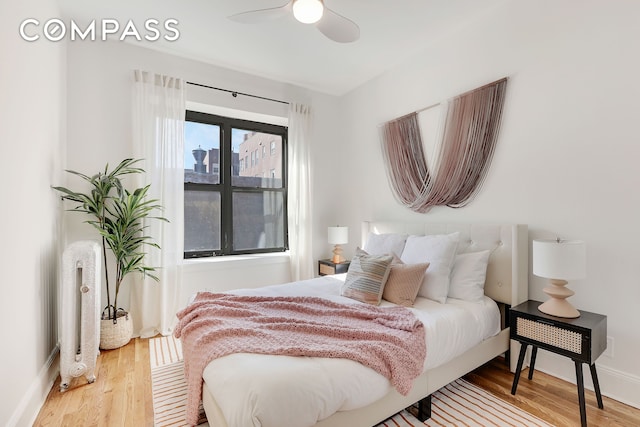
(338, 236)
(559, 261)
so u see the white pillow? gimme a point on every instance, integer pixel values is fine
(468, 276)
(439, 250)
(387, 243)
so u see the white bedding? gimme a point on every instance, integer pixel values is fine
(276, 391)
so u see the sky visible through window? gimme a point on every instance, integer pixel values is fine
(207, 137)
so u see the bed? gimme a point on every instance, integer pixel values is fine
(372, 399)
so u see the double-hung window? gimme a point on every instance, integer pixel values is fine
(233, 203)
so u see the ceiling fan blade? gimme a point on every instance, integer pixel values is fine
(337, 27)
(262, 15)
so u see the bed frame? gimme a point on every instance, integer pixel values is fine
(506, 283)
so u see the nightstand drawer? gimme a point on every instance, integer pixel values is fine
(549, 334)
(327, 269)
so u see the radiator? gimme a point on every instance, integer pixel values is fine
(80, 311)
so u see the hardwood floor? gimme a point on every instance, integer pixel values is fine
(121, 395)
(552, 399)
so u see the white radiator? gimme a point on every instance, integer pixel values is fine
(80, 311)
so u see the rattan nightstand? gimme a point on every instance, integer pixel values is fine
(582, 339)
(326, 267)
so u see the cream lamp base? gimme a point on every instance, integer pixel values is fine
(557, 305)
(337, 255)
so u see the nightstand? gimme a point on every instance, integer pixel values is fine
(582, 339)
(326, 266)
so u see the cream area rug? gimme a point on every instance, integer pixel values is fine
(457, 404)
(461, 403)
(168, 385)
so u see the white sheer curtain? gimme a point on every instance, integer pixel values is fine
(299, 193)
(158, 137)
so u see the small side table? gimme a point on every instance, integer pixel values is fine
(582, 339)
(326, 266)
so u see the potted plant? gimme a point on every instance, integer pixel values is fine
(117, 214)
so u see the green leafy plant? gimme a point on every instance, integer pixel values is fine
(117, 214)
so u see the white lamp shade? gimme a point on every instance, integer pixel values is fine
(308, 11)
(562, 260)
(338, 235)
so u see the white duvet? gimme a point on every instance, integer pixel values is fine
(278, 391)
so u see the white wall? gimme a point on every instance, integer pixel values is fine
(242, 271)
(566, 162)
(99, 109)
(32, 112)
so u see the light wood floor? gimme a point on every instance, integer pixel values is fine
(121, 395)
(552, 399)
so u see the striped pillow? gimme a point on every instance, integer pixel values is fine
(366, 277)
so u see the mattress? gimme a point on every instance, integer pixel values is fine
(273, 391)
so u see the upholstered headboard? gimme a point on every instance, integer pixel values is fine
(507, 272)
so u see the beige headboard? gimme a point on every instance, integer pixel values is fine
(507, 272)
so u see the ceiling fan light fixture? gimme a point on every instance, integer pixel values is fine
(308, 11)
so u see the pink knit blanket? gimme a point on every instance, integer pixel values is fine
(389, 340)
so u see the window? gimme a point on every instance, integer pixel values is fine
(233, 205)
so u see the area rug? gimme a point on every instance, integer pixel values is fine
(461, 403)
(168, 386)
(457, 404)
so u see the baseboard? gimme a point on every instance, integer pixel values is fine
(620, 386)
(31, 403)
(615, 384)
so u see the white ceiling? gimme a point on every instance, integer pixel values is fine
(286, 50)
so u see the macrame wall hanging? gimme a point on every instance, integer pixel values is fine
(466, 149)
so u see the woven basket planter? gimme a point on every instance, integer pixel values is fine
(115, 335)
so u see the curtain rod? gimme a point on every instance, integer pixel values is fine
(457, 96)
(235, 93)
(426, 108)
(411, 113)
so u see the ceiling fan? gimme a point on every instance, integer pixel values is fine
(331, 24)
